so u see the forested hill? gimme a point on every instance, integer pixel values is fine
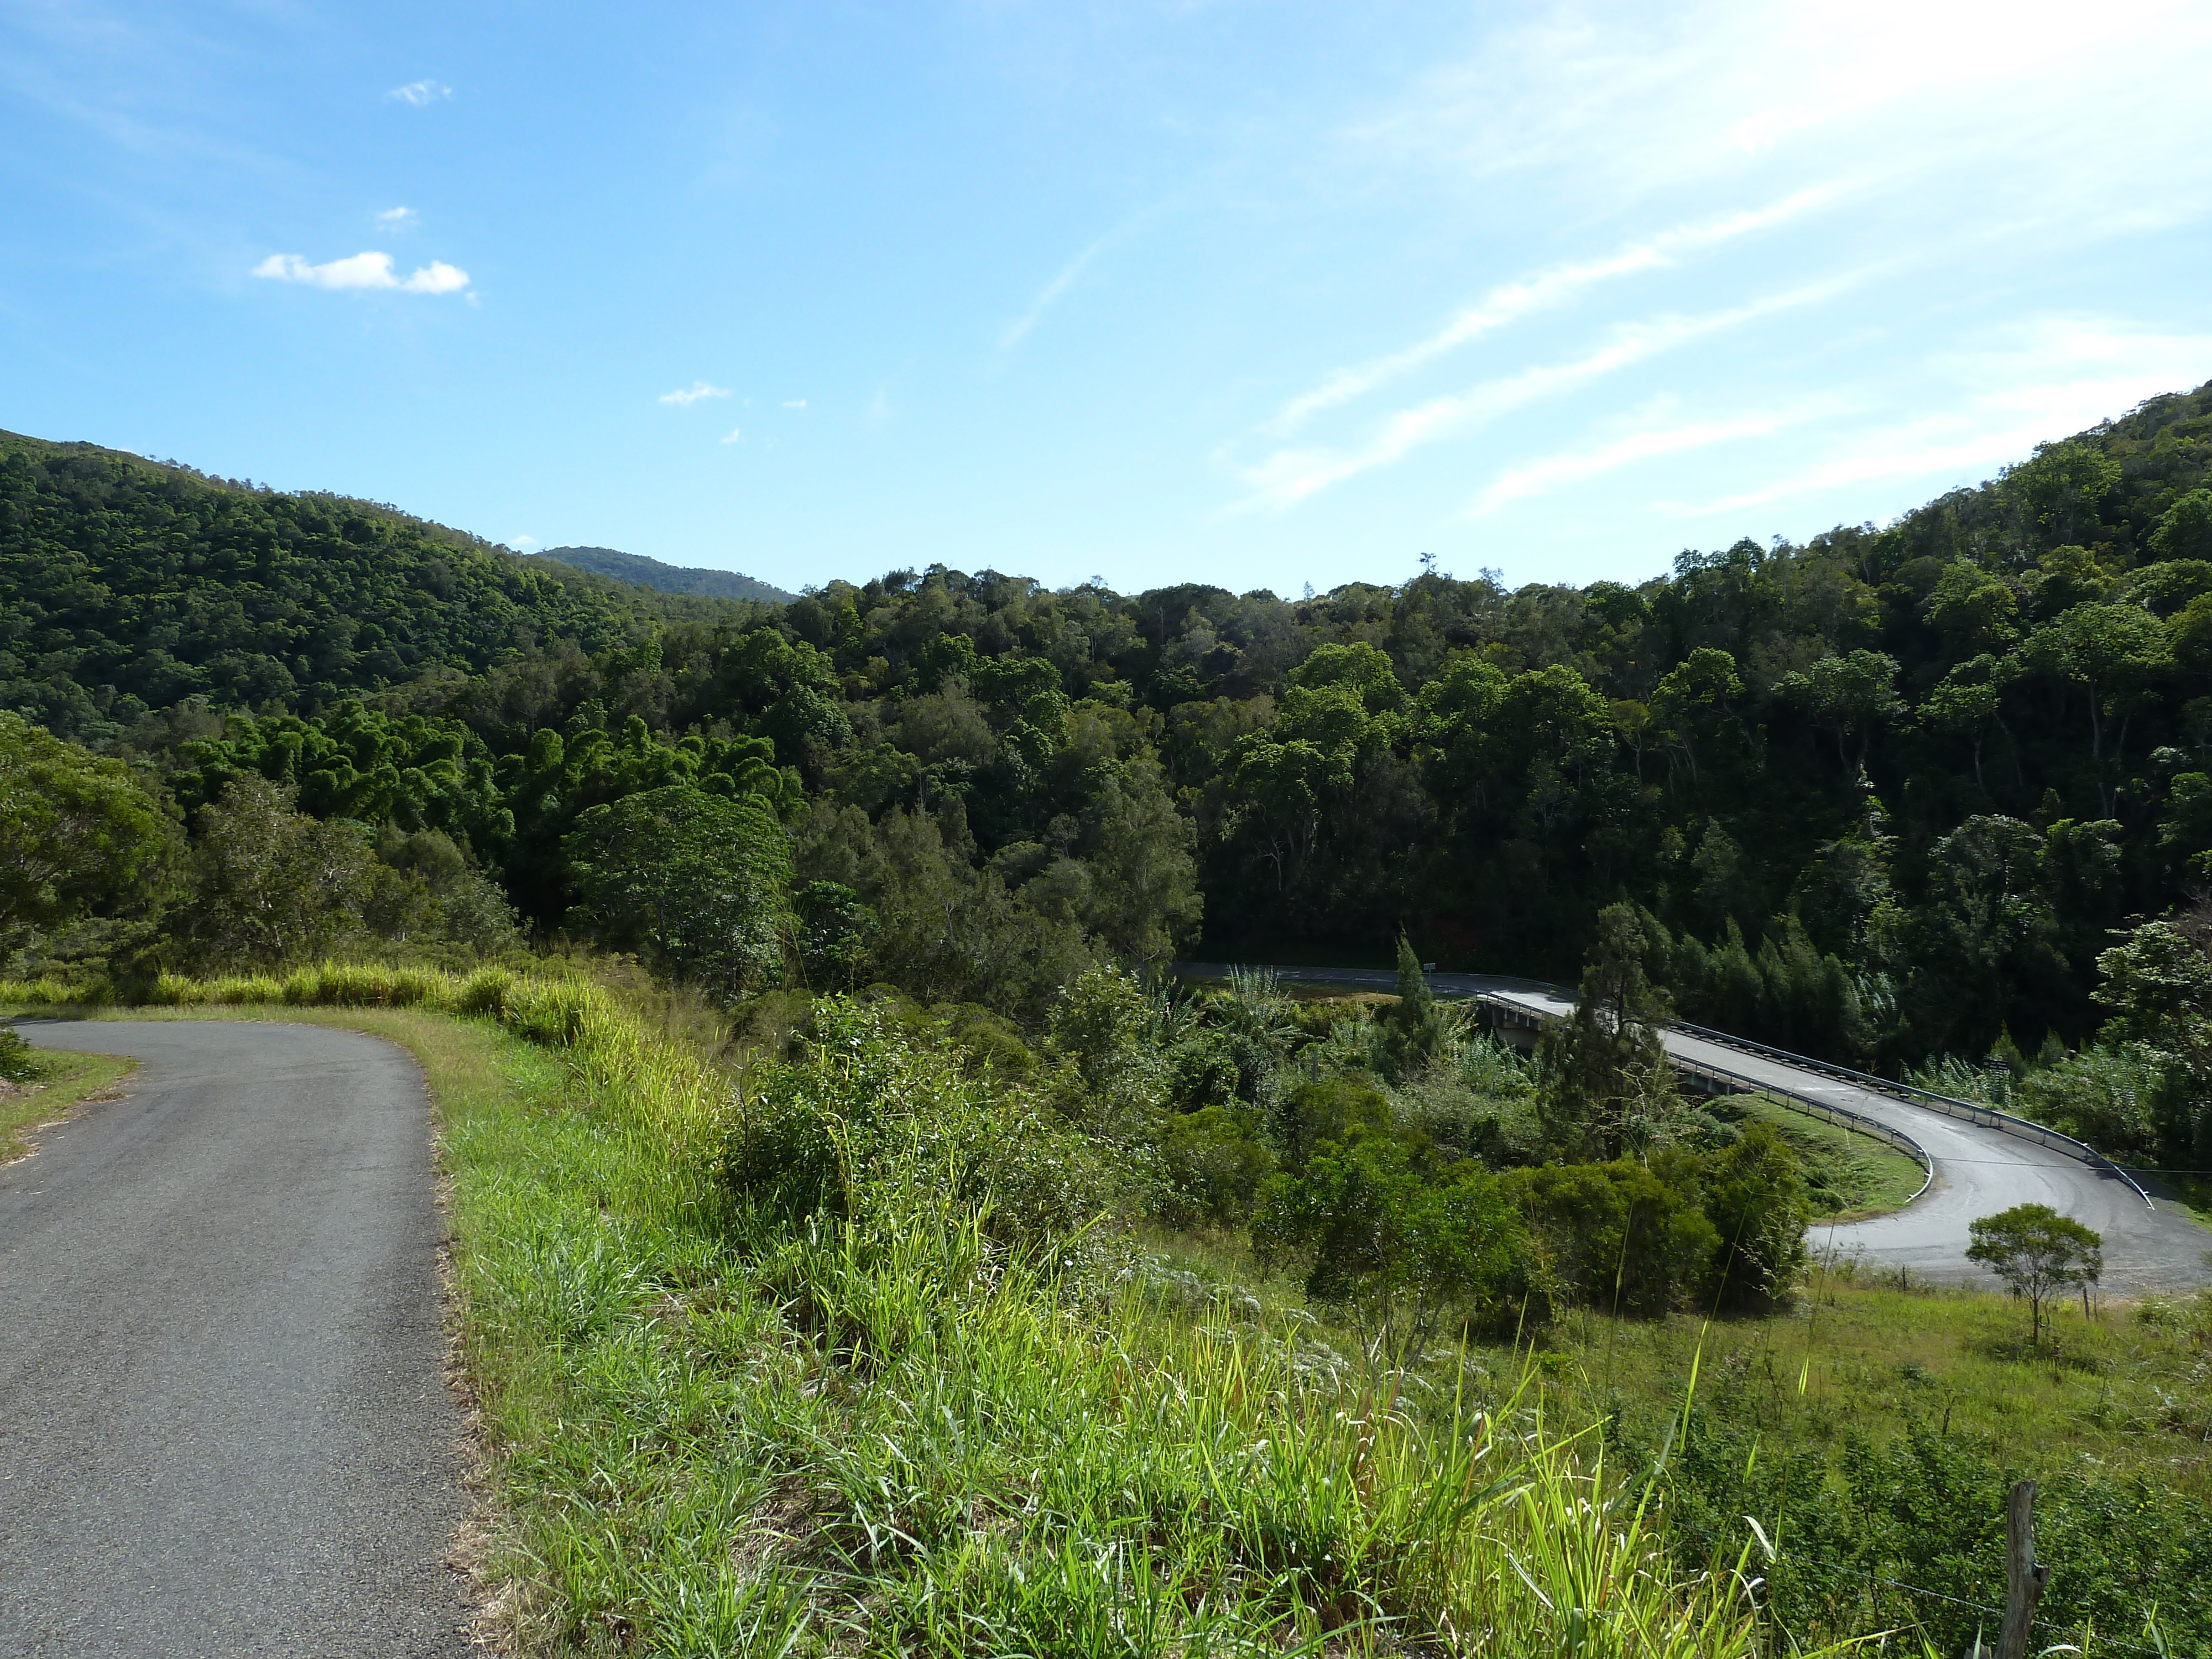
(1883, 794)
(128, 585)
(665, 578)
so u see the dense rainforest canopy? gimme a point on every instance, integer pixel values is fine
(1885, 794)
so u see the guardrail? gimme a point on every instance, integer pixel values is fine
(1987, 1117)
(1974, 1112)
(1738, 1083)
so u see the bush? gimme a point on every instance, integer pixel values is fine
(19, 1061)
(867, 1126)
(1399, 1247)
(1215, 1161)
(1614, 1235)
(1755, 1198)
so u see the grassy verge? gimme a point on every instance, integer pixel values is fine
(65, 1081)
(1849, 1176)
(879, 1430)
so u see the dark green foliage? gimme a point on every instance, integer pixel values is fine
(126, 586)
(1604, 1068)
(663, 578)
(1909, 1535)
(701, 880)
(19, 1061)
(1882, 794)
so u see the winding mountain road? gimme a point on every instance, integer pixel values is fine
(1978, 1171)
(224, 1424)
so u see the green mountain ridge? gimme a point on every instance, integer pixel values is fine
(1883, 794)
(665, 578)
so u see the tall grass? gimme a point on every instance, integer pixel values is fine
(882, 1428)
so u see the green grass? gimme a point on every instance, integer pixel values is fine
(64, 1081)
(885, 1434)
(1851, 1176)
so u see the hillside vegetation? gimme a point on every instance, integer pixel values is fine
(665, 578)
(910, 856)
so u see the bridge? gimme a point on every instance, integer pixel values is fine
(1978, 1161)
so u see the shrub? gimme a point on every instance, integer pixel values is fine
(867, 1126)
(1614, 1235)
(1755, 1196)
(1215, 1161)
(1380, 1235)
(19, 1061)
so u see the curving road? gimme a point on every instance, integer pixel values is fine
(1977, 1171)
(224, 1425)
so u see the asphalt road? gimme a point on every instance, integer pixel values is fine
(224, 1427)
(1979, 1170)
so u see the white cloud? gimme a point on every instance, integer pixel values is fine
(2058, 376)
(1051, 291)
(399, 218)
(794, 402)
(1511, 300)
(684, 396)
(523, 544)
(419, 93)
(363, 270)
(1542, 476)
(1289, 476)
(737, 436)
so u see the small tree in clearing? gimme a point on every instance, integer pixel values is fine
(2039, 1253)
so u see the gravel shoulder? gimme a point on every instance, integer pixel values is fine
(224, 1423)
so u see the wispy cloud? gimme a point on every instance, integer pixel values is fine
(399, 218)
(1014, 331)
(363, 270)
(684, 396)
(1290, 476)
(794, 402)
(2060, 376)
(419, 93)
(1511, 301)
(1551, 472)
(736, 436)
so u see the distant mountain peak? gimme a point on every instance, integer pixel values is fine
(665, 578)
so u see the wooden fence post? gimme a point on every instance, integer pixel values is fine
(2024, 1578)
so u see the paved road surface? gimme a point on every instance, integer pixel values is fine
(1978, 1171)
(223, 1424)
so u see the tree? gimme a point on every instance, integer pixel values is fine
(1382, 1237)
(703, 881)
(77, 831)
(2039, 1253)
(271, 885)
(1847, 695)
(1604, 1062)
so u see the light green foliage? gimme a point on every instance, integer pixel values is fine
(887, 1431)
(2038, 1252)
(701, 880)
(19, 1061)
(1377, 1232)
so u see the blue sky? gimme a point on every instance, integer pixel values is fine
(1259, 295)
